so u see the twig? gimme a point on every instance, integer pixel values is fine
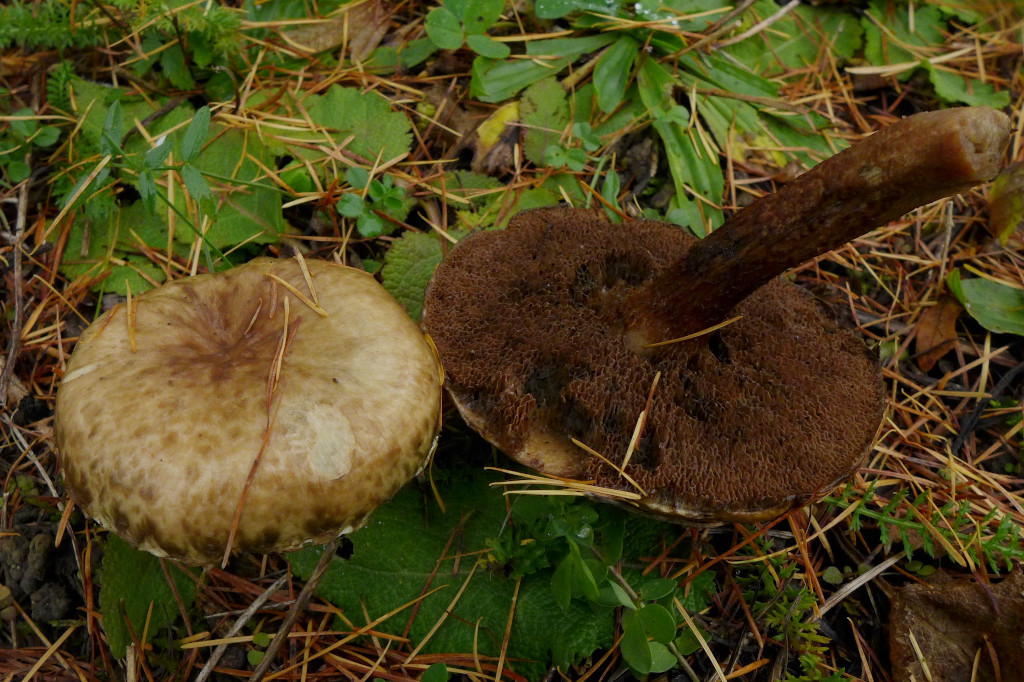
(971, 423)
(19, 235)
(257, 603)
(330, 549)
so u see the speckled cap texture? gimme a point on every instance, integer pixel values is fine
(156, 443)
(744, 423)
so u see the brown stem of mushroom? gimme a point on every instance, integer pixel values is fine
(906, 165)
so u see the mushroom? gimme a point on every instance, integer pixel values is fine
(260, 408)
(683, 373)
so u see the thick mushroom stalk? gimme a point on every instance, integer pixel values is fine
(906, 165)
(544, 331)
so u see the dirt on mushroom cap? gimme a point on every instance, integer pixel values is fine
(157, 443)
(771, 409)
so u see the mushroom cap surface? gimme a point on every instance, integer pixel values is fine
(157, 443)
(744, 423)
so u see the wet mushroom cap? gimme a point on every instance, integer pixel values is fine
(530, 322)
(156, 443)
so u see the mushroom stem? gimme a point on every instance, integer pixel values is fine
(908, 164)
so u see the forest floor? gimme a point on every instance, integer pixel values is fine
(376, 135)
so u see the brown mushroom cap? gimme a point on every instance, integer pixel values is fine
(157, 443)
(552, 330)
(778, 405)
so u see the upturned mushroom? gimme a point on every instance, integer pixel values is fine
(682, 371)
(260, 408)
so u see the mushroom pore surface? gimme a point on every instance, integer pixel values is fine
(157, 443)
(744, 423)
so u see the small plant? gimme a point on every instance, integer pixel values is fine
(23, 135)
(459, 22)
(380, 196)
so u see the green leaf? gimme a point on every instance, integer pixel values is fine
(553, 9)
(997, 307)
(612, 72)
(636, 650)
(248, 207)
(110, 138)
(357, 177)
(486, 46)
(371, 225)
(612, 595)
(954, 88)
(479, 15)
(147, 190)
(498, 80)
(365, 117)
(18, 171)
(131, 581)
(195, 183)
(46, 136)
(156, 156)
(832, 575)
(905, 26)
(657, 622)
(697, 595)
(653, 590)
(406, 551)
(661, 658)
(24, 127)
(195, 135)
(408, 266)
(444, 28)
(687, 642)
(438, 672)
(351, 205)
(544, 112)
(797, 40)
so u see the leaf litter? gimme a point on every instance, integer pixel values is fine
(363, 87)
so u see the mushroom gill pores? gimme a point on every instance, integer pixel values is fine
(156, 443)
(547, 332)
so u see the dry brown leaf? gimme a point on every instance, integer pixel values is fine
(953, 622)
(936, 331)
(367, 24)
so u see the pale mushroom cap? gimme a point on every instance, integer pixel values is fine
(156, 443)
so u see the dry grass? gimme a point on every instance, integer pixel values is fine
(940, 442)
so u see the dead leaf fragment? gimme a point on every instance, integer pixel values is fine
(949, 624)
(936, 331)
(362, 25)
(1006, 202)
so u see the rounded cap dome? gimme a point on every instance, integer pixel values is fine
(165, 407)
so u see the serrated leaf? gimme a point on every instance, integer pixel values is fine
(408, 266)
(195, 183)
(612, 72)
(398, 556)
(371, 225)
(997, 307)
(444, 28)
(376, 131)
(147, 190)
(195, 135)
(544, 112)
(902, 31)
(110, 138)
(131, 581)
(248, 207)
(954, 88)
(486, 46)
(797, 40)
